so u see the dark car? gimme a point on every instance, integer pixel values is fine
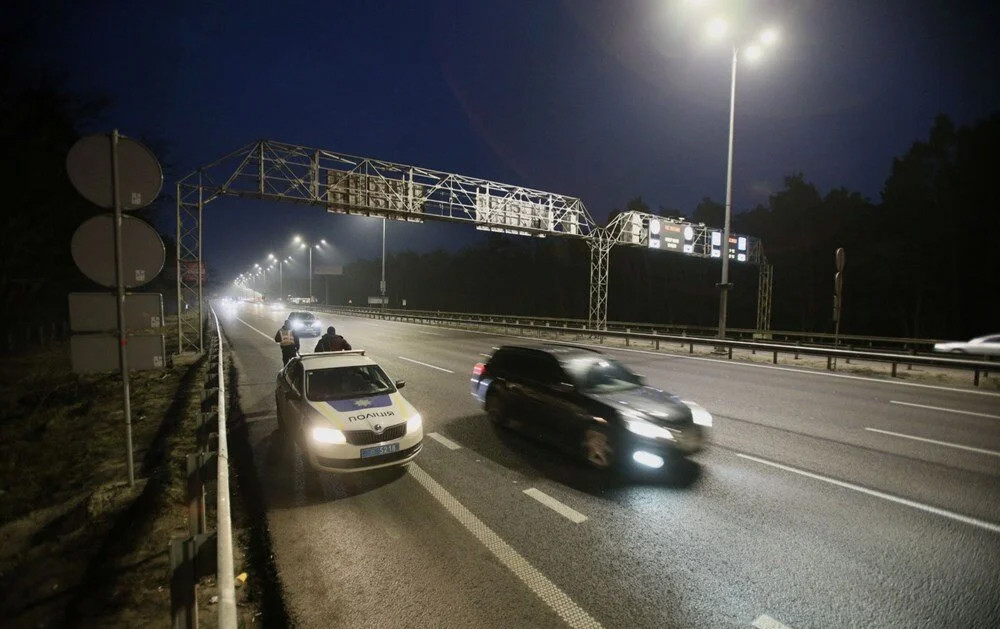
(305, 323)
(588, 403)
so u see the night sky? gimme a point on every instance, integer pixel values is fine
(596, 99)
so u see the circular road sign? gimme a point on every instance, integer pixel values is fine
(140, 177)
(93, 249)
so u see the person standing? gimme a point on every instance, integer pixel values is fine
(332, 342)
(288, 340)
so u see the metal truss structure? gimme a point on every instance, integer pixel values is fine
(346, 184)
(765, 286)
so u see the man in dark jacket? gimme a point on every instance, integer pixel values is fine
(288, 340)
(332, 342)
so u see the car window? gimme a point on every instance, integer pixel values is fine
(542, 368)
(600, 374)
(991, 339)
(339, 383)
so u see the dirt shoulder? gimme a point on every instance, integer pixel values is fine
(78, 547)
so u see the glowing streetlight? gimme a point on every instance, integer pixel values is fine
(718, 28)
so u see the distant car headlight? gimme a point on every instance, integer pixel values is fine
(414, 423)
(699, 415)
(646, 429)
(328, 435)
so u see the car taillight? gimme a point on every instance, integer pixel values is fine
(479, 370)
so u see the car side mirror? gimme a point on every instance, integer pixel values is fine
(400, 384)
(564, 387)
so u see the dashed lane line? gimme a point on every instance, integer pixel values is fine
(570, 514)
(426, 364)
(538, 583)
(935, 442)
(944, 410)
(983, 524)
(766, 622)
(445, 441)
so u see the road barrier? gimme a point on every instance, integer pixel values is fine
(848, 341)
(202, 552)
(978, 367)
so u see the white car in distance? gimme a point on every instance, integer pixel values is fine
(345, 413)
(987, 345)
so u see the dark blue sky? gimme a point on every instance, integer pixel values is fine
(595, 99)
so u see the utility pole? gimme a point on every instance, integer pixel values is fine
(382, 284)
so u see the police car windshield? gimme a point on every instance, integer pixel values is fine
(346, 382)
(599, 374)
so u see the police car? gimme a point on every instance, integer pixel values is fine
(345, 412)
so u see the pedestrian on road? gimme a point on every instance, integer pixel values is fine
(288, 340)
(332, 342)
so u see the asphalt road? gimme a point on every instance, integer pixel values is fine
(823, 501)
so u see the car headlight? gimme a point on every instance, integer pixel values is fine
(646, 429)
(699, 415)
(296, 325)
(328, 435)
(414, 423)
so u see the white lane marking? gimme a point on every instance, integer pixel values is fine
(983, 524)
(935, 387)
(426, 364)
(945, 410)
(486, 355)
(429, 333)
(445, 441)
(570, 514)
(935, 441)
(766, 622)
(537, 582)
(264, 334)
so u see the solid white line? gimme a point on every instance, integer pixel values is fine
(720, 361)
(538, 583)
(426, 364)
(989, 526)
(264, 334)
(570, 514)
(766, 622)
(486, 355)
(935, 441)
(945, 410)
(445, 441)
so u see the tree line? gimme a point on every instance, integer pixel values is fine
(921, 261)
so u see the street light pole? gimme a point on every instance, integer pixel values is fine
(310, 273)
(382, 284)
(724, 283)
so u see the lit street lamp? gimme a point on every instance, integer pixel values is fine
(304, 245)
(718, 28)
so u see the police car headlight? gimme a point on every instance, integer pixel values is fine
(414, 423)
(646, 429)
(328, 435)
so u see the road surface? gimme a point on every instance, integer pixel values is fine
(823, 500)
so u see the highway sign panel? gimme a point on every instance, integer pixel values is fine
(89, 166)
(93, 251)
(98, 353)
(98, 312)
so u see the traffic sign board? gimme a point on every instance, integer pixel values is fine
(93, 251)
(89, 166)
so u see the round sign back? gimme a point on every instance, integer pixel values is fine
(93, 249)
(140, 177)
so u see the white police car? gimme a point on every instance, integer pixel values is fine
(345, 413)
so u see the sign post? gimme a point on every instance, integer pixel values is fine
(838, 298)
(96, 171)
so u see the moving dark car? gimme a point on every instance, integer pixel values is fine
(305, 323)
(587, 403)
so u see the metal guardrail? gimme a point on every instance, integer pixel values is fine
(978, 367)
(909, 345)
(203, 552)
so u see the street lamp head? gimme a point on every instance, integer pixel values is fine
(317, 248)
(770, 36)
(754, 52)
(322, 241)
(297, 239)
(270, 256)
(717, 28)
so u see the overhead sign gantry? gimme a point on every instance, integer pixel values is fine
(346, 184)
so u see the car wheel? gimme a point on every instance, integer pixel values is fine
(597, 449)
(495, 409)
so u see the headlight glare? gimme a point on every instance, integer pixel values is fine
(414, 423)
(328, 435)
(646, 429)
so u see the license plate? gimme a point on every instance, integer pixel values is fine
(379, 450)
